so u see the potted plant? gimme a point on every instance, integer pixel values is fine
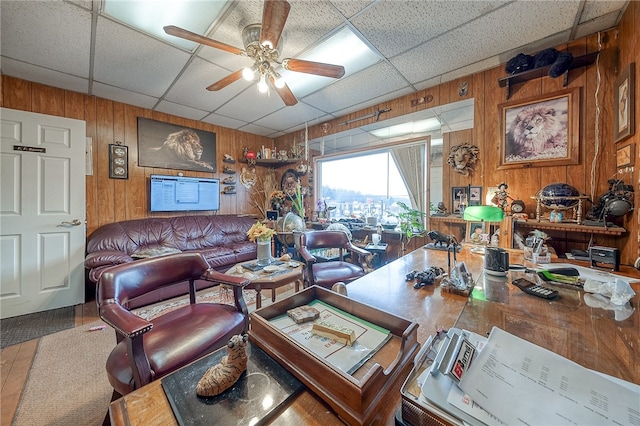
(411, 223)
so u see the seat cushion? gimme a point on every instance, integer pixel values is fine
(177, 338)
(328, 273)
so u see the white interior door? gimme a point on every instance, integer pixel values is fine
(42, 212)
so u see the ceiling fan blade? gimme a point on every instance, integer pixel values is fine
(310, 67)
(285, 93)
(274, 16)
(221, 84)
(188, 35)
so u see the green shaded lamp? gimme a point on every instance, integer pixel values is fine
(483, 214)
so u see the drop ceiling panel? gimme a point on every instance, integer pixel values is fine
(137, 62)
(485, 37)
(44, 75)
(287, 118)
(191, 88)
(125, 96)
(52, 35)
(594, 9)
(361, 87)
(181, 110)
(420, 21)
(251, 105)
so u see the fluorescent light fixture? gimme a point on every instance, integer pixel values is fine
(151, 15)
(343, 48)
(407, 128)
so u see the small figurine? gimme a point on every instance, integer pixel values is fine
(501, 198)
(222, 376)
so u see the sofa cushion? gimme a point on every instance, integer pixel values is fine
(154, 252)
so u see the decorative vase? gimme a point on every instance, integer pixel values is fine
(264, 251)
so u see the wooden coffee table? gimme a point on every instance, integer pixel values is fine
(259, 280)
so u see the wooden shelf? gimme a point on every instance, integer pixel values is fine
(570, 227)
(447, 219)
(272, 162)
(580, 61)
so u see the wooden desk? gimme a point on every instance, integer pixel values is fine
(610, 346)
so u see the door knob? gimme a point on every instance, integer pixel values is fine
(74, 222)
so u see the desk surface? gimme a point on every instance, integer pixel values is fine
(588, 335)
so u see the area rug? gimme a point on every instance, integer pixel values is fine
(19, 329)
(67, 384)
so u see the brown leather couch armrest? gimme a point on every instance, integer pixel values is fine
(124, 322)
(219, 277)
(106, 258)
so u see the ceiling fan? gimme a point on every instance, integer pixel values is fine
(261, 43)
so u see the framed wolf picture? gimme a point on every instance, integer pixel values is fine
(540, 131)
(171, 146)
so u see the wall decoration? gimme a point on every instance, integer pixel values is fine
(624, 90)
(118, 161)
(459, 199)
(171, 146)
(625, 156)
(463, 158)
(540, 131)
(475, 195)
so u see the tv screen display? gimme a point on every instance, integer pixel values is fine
(178, 193)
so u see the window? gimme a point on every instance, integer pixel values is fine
(367, 186)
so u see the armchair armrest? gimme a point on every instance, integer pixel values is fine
(306, 255)
(358, 250)
(215, 276)
(124, 322)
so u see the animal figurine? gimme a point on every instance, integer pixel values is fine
(441, 238)
(428, 276)
(222, 376)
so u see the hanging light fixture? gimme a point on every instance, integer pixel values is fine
(264, 56)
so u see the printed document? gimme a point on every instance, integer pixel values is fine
(524, 384)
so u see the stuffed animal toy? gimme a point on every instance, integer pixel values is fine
(559, 62)
(519, 63)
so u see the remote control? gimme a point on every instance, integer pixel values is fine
(534, 289)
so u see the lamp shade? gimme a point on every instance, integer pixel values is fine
(483, 214)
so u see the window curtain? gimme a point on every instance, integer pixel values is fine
(411, 165)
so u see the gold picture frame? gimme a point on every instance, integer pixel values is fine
(624, 93)
(625, 156)
(560, 114)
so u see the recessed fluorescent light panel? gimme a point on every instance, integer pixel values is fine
(343, 48)
(421, 126)
(151, 15)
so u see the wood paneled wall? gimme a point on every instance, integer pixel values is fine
(110, 200)
(108, 122)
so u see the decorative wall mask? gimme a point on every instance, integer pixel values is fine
(463, 157)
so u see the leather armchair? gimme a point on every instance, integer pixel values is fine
(148, 350)
(327, 273)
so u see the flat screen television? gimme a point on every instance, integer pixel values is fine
(179, 193)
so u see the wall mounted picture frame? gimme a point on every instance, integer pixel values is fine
(625, 156)
(170, 146)
(458, 195)
(475, 195)
(554, 142)
(118, 161)
(476, 232)
(624, 102)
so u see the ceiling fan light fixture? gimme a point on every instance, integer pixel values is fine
(262, 84)
(249, 73)
(278, 81)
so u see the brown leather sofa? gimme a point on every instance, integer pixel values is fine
(221, 239)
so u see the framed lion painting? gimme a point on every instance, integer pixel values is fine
(170, 146)
(540, 131)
